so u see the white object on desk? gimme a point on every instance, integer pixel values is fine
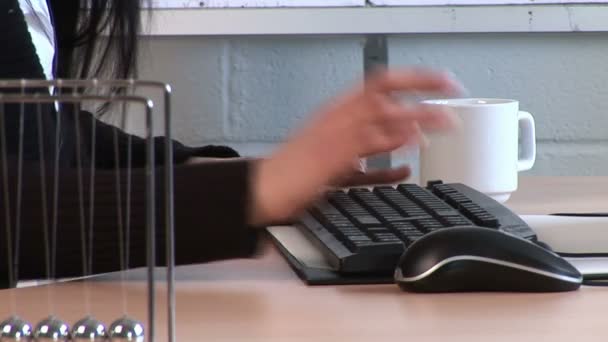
(575, 235)
(590, 267)
(569, 234)
(483, 152)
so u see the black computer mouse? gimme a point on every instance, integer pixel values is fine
(482, 259)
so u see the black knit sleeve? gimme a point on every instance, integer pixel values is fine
(211, 202)
(109, 138)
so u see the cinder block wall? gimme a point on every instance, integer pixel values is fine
(251, 92)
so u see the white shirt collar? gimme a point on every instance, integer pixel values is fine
(40, 26)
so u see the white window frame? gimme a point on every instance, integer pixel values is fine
(481, 2)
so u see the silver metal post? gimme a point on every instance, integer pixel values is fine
(375, 54)
(150, 205)
(170, 222)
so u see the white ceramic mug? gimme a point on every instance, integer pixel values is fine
(484, 153)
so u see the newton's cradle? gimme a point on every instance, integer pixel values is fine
(30, 96)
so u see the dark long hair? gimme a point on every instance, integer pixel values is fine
(96, 38)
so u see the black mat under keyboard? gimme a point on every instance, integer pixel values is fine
(363, 230)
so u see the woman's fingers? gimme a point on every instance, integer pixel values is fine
(415, 136)
(396, 125)
(437, 118)
(384, 176)
(413, 80)
(389, 112)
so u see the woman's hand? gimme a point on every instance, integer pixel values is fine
(365, 121)
(382, 176)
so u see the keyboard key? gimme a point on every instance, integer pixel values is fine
(395, 218)
(410, 239)
(456, 220)
(479, 215)
(342, 223)
(350, 231)
(328, 214)
(359, 238)
(442, 190)
(366, 220)
(428, 225)
(423, 197)
(403, 225)
(374, 203)
(391, 247)
(378, 230)
(404, 206)
(351, 209)
(487, 221)
(458, 198)
(384, 236)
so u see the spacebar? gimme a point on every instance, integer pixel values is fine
(377, 247)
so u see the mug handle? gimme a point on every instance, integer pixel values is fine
(528, 141)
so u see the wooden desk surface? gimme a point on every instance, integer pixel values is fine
(262, 299)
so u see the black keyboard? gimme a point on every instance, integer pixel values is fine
(366, 231)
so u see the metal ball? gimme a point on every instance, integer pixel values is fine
(126, 329)
(89, 329)
(52, 329)
(15, 329)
